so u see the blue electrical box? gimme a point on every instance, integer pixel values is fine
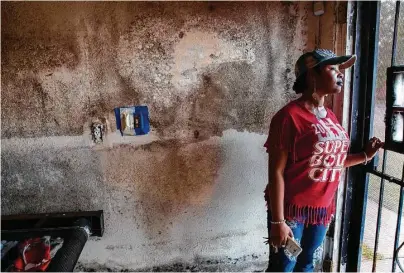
(132, 120)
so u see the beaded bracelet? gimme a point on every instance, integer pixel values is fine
(278, 223)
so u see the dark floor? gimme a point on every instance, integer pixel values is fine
(250, 263)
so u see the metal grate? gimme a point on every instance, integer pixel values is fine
(386, 179)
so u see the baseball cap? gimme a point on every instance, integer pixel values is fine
(321, 56)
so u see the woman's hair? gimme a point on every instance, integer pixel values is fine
(300, 84)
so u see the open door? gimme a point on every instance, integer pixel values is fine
(372, 235)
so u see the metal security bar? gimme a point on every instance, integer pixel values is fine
(397, 237)
(367, 22)
(382, 174)
(386, 177)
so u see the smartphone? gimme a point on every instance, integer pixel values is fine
(293, 247)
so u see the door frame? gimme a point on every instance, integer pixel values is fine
(364, 29)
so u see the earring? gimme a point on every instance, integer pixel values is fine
(314, 94)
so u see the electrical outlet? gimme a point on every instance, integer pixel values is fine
(97, 132)
(98, 129)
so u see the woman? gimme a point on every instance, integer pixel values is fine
(308, 150)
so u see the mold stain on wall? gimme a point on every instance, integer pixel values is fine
(160, 180)
(80, 66)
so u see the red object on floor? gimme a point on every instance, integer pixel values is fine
(34, 255)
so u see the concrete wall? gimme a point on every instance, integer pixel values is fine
(212, 74)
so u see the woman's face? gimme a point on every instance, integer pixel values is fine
(329, 80)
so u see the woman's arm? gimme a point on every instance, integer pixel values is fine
(371, 149)
(355, 159)
(276, 165)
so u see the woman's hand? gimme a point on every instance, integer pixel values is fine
(280, 234)
(370, 151)
(372, 147)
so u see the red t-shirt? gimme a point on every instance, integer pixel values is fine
(317, 150)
